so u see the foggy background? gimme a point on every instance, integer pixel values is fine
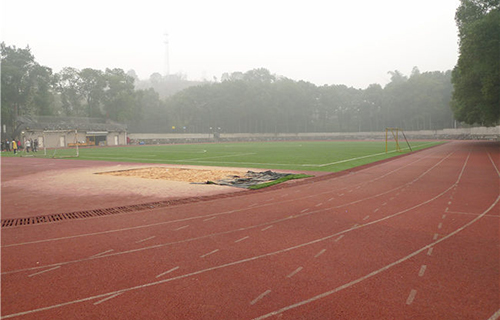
(354, 43)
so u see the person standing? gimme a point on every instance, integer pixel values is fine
(14, 146)
(27, 145)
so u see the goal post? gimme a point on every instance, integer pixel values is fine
(395, 135)
(61, 143)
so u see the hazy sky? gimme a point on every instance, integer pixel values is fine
(324, 42)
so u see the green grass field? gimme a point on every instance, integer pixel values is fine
(330, 156)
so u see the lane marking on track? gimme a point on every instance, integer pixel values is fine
(166, 272)
(411, 297)
(305, 210)
(106, 299)
(319, 204)
(143, 240)
(211, 218)
(376, 210)
(494, 165)
(210, 253)
(262, 295)
(180, 228)
(340, 237)
(266, 228)
(294, 272)
(474, 214)
(429, 252)
(440, 225)
(366, 218)
(102, 253)
(443, 216)
(244, 238)
(35, 274)
(422, 270)
(325, 294)
(495, 316)
(320, 253)
(435, 236)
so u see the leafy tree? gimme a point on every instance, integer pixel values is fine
(26, 85)
(476, 77)
(92, 89)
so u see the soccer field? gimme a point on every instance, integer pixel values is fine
(330, 156)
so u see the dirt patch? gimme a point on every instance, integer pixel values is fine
(177, 174)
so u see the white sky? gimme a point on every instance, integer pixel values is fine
(325, 42)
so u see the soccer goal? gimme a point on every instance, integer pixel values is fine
(395, 135)
(60, 143)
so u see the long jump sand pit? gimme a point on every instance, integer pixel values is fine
(34, 187)
(192, 175)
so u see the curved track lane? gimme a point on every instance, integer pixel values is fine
(416, 237)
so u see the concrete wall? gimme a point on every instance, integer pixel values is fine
(480, 133)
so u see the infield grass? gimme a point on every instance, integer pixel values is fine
(330, 156)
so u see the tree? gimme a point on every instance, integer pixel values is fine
(476, 77)
(92, 88)
(26, 85)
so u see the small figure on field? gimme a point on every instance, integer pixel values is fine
(28, 145)
(14, 146)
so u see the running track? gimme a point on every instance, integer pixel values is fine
(413, 238)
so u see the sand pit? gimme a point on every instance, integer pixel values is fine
(177, 174)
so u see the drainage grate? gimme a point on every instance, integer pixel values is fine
(83, 214)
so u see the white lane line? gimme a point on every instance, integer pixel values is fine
(164, 273)
(429, 252)
(440, 225)
(293, 306)
(435, 236)
(207, 254)
(376, 210)
(145, 239)
(106, 299)
(384, 204)
(331, 199)
(376, 272)
(262, 295)
(443, 216)
(422, 270)
(319, 204)
(495, 316)
(449, 202)
(320, 253)
(180, 228)
(102, 253)
(411, 297)
(244, 238)
(340, 237)
(35, 274)
(305, 210)
(211, 218)
(295, 272)
(366, 218)
(266, 228)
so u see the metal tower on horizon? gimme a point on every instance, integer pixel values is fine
(166, 62)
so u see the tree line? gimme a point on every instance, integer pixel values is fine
(250, 102)
(258, 101)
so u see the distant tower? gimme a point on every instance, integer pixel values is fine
(166, 66)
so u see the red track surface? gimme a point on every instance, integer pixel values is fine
(412, 238)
